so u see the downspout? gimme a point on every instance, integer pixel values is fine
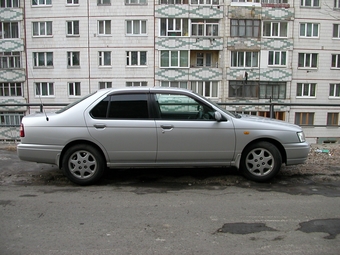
(25, 51)
(154, 44)
(88, 46)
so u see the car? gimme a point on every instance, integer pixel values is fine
(157, 127)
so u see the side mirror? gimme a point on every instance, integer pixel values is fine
(217, 116)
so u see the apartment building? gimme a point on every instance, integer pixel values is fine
(231, 51)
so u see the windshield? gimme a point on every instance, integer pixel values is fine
(74, 103)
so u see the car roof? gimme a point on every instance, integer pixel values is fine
(144, 89)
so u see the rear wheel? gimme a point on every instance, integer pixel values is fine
(83, 164)
(260, 162)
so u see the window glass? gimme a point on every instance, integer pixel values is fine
(128, 106)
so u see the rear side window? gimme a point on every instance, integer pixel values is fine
(122, 106)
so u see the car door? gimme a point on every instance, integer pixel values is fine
(188, 133)
(121, 124)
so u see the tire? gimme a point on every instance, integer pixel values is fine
(83, 164)
(260, 162)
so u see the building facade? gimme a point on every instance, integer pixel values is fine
(244, 54)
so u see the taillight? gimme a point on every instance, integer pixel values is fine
(22, 131)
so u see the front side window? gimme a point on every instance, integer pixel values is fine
(72, 28)
(306, 90)
(244, 59)
(13, 89)
(174, 27)
(136, 27)
(43, 59)
(42, 28)
(9, 30)
(10, 3)
(44, 89)
(105, 84)
(275, 29)
(10, 60)
(309, 30)
(205, 88)
(277, 58)
(335, 61)
(244, 28)
(308, 60)
(104, 27)
(104, 58)
(332, 119)
(310, 3)
(136, 58)
(204, 27)
(73, 58)
(174, 58)
(136, 84)
(41, 2)
(74, 89)
(304, 118)
(334, 90)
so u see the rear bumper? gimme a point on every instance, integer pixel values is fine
(297, 153)
(48, 154)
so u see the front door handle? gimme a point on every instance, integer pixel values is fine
(166, 128)
(99, 126)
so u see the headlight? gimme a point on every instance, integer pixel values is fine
(301, 136)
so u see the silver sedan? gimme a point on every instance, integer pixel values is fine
(157, 127)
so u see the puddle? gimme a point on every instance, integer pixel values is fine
(329, 226)
(244, 228)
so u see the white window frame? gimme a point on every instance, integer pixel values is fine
(277, 58)
(173, 27)
(47, 59)
(209, 89)
(44, 89)
(136, 58)
(104, 2)
(307, 60)
(204, 59)
(336, 31)
(335, 64)
(246, 1)
(74, 89)
(41, 3)
(73, 59)
(174, 58)
(277, 29)
(11, 89)
(240, 59)
(104, 27)
(310, 3)
(131, 25)
(205, 28)
(10, 60)
(102, 55)
(274, 1)
(72, 28)
(13, 27)
(11, 118)
(72, 2)
(136, 2)
(309, 30)
(136, 84)
(306, 90)
(174, 84)
(42, 29)
(204, 2)
(337, 4)
(10, 4)
(334, 90)
(104, 84)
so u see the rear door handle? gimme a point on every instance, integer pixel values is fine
(166, 128)
(99, 126)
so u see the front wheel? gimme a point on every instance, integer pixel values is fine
(260, 162)
(83, 164)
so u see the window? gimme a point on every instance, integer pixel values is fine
(332, 119)
(9, 30)
(204, 27)
(105, 84)
(103, 2)
(44, 89)
(174, 27)
(104, 27)
(173, 1)
(41, 2)
(244, 28)
(173, 58)
(306, 90)
(175, 84)
(73, 59)
(205, 88)
(72, 28)
(11, 118)
(334, 90)
(336, 31)
(309, 30)
(272, 90)
(136, 2)
(336, 3)
(310, 3)
(10, 3)
(11, 89)
(136, 58)
(104, 58)
(244, 59)
(42, 28)
(42, 59)
(335, 61)
(275, 29)
(74, 89)
(277, 58)
(136, 27)
(304, 118)
(72, 2)
(308, 60)
(10, 60)
(136, 84)
(203, 59)
(123, 106)
(243, 89)
(204, 2)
